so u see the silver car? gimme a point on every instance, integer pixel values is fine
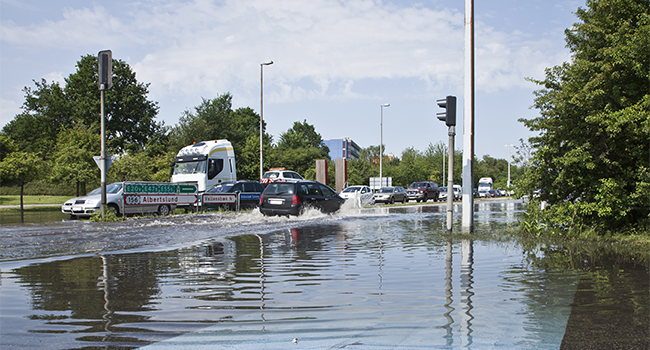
(360, 194)
(90, 204)
(391, 195)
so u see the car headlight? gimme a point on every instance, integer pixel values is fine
(92, 203)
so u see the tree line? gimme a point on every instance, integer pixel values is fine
(53, 141)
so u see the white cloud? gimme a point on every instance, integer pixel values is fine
(8, 110)
(325, 52)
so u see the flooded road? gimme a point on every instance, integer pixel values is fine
(370, 279)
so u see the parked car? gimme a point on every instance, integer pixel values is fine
(483, 194)
(275, 174)
(391, 195)
(249, 195)
(423, 191)
(362, 194)
(493, 193)
(292, 197)
(475, 192)
(458, 192)
(443, 193)
(90, 204)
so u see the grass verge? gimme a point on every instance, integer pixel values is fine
(15, 200)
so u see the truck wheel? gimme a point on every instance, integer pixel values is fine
(163, 210)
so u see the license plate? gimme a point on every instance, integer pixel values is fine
(276, 201)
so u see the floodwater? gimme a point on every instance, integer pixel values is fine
(371, 279)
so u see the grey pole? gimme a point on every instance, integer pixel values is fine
(450, 180)
(468, 121)
(267, 63)
(381, 142)
(102, 157)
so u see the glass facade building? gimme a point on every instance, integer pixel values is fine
(343, 148)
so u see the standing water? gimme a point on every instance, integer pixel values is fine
(368, 279)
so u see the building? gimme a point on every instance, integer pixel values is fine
(342, 148)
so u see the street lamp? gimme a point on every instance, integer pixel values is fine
(381, 142)
(509, 163)
(267, 63)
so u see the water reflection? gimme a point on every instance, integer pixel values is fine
(365, 281)
(467, 292)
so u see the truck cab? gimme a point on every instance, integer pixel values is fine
(205, 163)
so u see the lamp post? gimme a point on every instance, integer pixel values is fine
(508, 164)
(267, 63)
(381, 142)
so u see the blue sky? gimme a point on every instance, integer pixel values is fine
(335, 61)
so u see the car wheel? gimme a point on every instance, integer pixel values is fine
(227, 207)
(113, 209)
(392, 200)
(425, 199)
(163, 210)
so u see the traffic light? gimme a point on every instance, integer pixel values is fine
(449, 116)
(105, 69)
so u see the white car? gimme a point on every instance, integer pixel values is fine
(275, 174)
(362, 194)
(458, 192)
(90, 204)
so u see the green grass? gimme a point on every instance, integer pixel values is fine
(15, 200)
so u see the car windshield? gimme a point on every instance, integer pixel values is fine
(222, 188)
(352, 189)
(443, 189)
(386, 190)
(418, 185)
(197, 167)
(112, 188)
(280, 188)
(271, 175)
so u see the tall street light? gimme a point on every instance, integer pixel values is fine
(381, 142)
(267, 63)
(509, 163)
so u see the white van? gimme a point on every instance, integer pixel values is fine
(205, 163)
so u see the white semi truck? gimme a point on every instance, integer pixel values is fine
(205, 163)
(484, 186)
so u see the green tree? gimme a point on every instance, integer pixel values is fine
(73, 157)
(591, 156)
(48, 109)
(45, 113)
(21, 167)
(130, 117)
(6, 146)
(298, 148)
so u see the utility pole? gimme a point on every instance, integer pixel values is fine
(468, 121)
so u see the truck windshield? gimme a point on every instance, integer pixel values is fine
(196, 167)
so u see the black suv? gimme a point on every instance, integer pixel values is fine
(292, 197)
(423, 191)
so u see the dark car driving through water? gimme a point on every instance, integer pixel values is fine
(249, 195)
(292, 197)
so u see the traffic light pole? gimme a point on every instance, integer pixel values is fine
(449, 117)
(450, 180)
(102, 167)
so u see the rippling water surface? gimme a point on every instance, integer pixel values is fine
(366, 280)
